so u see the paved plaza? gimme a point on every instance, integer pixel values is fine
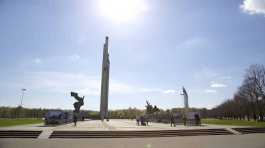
(114, 124)
(221, 141)
(236, 140)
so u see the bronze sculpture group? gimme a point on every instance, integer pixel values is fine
(77, 106)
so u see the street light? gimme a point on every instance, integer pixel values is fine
(22, 95)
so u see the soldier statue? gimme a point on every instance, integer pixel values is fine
(149, 108)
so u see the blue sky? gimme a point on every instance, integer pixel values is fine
(54, 47)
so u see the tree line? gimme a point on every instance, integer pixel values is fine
(130, 113)
(21, 112)
(249, 100)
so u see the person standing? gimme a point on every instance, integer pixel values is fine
(172, 121)
(75, 119)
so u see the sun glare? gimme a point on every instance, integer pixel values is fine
(122, 10)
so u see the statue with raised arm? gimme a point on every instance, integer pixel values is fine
(186, 104)
(79, 103)
(149, 107)
(185, 96)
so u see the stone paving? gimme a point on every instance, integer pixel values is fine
(112, 125)
(115, 124)
(220, 141)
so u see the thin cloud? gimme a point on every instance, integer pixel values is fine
(218, 85)
(225, 78)
(74, 57)
(170, 91)
(210, 91)
(253, 7)
(195, 43)
(60, 82)
(206, 73)
(37, 61)
(146, 90)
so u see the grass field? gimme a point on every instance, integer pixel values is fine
(13, 122)
(233, 122)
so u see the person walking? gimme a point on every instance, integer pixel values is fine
(172, 120)
(75, 119)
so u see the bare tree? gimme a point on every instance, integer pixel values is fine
(249, 101)
(255, 78)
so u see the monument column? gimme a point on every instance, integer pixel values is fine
(104, 82)
(186, 103)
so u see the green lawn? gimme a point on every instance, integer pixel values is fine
(233, 122)
(13, 122)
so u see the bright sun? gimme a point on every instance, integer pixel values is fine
(122, 10)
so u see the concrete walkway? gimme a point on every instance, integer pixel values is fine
(113, 125)
(217, 141)
(221, 141)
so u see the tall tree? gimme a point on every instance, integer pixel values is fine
(255, 78)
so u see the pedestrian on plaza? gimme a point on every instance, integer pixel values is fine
(75, 119)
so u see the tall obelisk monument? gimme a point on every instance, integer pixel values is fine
(105, 82)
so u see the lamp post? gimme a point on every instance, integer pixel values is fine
(22, 95)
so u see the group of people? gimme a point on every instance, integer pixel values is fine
(173, 119)
(142, 121)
